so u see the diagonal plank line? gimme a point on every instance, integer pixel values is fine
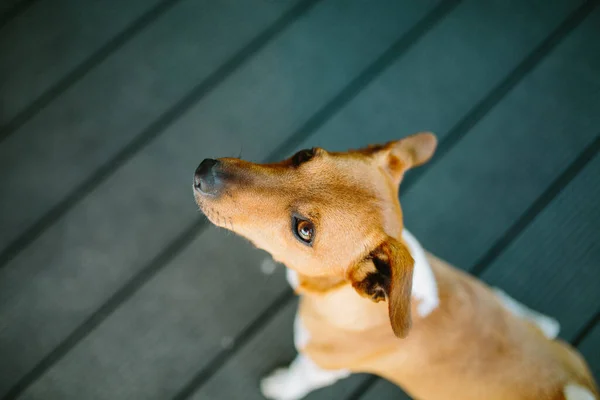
(516, 229)
(363, 387)
(183, 239)
(154, 130)
(192, 232)
(186, 237)
(98, 316)
(537, 207)
(222, 357)
(82, 69)
(504, 87)
(372, 379)
(579, 337)
(520, 225)
(14, 12)
(460, 130)
(310, 127)
(454, 136)
(382, 63)
(582, 334)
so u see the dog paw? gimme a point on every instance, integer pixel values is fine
(280, 385)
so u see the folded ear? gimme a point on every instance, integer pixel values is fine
(409, 152)
(386, 274)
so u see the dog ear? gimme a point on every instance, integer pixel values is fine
(409, 152)
(386, 274)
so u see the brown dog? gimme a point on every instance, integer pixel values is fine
(372, 299)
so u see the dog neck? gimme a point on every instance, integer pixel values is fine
(424, 286)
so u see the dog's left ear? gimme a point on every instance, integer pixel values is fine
(406, 153)
(386, 274)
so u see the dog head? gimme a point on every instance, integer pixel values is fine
(329, 216)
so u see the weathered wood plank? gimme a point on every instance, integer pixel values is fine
(90, 123)
(148, 202)
(50, 39)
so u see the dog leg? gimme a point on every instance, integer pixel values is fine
(299, 379)
(549, 326)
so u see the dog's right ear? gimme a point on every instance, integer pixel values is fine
(386, 274)
(411, 151)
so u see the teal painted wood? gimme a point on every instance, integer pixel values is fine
(511, 156)
(153, 339)
(445, 75)
(92, 128)
(50, 39)
(176, 324)
(508, 159)
(144, 66)
(418, 93)
(384, 390)
(128, 222)
(272, 348)
(553, 265)
(590, 348)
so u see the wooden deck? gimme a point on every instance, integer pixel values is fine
(112, 285)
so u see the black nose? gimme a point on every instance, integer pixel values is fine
(206, 180)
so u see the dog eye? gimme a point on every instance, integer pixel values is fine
(304, 230)
(303, 156)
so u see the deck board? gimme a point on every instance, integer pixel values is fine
(275, 344)
(124, 239)
(175, 325)
(444, 75)
(506, 180)
(374, 117)
(532, 268)
(590, 349)
(116, 103)
(116, 288)
(62, 246)
(350, 119)
(564, 236)
(50, 39)
(510, 157)
(384, 390)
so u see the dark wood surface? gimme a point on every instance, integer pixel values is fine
(113, 286)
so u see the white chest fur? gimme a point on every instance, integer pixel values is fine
(424, 287)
